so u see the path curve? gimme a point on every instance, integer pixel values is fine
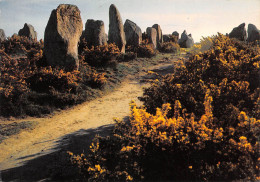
(95, 113)
(30, 144)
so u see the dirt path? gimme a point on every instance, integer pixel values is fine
(88, 115)
(31, 144)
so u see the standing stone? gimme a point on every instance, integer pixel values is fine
(159, 37)
(186, 41)
(253, 33)
(239, 32)
(82, 36)
(116, 32)
(133, 33)
(62, 35)
(175, 33)
(2, 35)
(189, 42)
(170, 38)
(166, 38)
(28, 31)
(95, 33)
(152, 36)
(106, 37)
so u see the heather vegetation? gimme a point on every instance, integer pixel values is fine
(144, 50)
(169, 47)
(200, 123)
(29, 87)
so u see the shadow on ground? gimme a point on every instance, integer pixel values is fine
(56, 165)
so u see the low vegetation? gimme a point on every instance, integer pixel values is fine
(29, 87)
(169, 47)
(205, 44)
(144, 50)
(201, 123)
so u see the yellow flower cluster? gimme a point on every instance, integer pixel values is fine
(205, 44)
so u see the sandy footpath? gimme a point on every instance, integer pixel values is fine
(30, 144)
(91, 114)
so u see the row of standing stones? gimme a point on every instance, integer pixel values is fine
(64, 30)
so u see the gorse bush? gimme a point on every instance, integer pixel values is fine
(102, 55)
(207, 129)
(29, 87)
(205, 44)
(169, 47)
(144, 50)
(230, 70)
(16, 44)
(158, 148)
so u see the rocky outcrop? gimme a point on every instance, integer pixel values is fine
(95, 33)
(116, 32)
(159, 37)
(152, 36)
(28, 31)
(2, 35)
(133, 33)
(186, 41)
(253, 33)
(239, 32)
(62, 35)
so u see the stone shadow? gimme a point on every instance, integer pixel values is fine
(56, 165)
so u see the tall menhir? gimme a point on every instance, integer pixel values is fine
(61, 37)
(116, 32)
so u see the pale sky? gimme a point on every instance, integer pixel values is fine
(198, 17)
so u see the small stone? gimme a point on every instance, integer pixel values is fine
(239, 32)
(186, 41)
(133, 33)
(2, 35)
(159, 37)
(28, 31)
(152, 36)
(253, 33)
(95, 33)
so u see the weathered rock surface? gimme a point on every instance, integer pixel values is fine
(166, 38)
(170, 38)
(2, 35)
(239, 32)
(82, 35)
(186, 41)
(133, 33)
(253, 33)
(62, 35)
(159, 37)
(95, 33)
(175, 33)
(28, 31)
(106, 37)
(116, 32)
(152, 36)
